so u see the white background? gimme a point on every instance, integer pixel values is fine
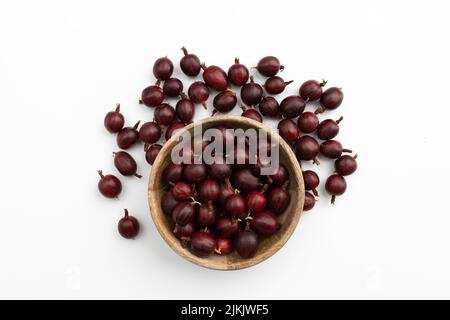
(64, 64)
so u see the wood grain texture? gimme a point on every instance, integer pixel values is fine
(268, 245)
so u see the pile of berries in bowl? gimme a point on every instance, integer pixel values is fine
(226, 216)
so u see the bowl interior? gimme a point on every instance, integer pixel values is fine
(268, 245)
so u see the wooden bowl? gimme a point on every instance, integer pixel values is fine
(268, 245)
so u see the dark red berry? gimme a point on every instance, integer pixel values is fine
(311, 180)
(182, 190)
(183, 213)
(255, 201)
(226, 226)
(308, 122)
(328, 129)
(207, 214)
(203, 243)
(288, 130)
(226, 190)
(278, 200)
(219, 171)
(246, 243)
(163, 68)
(276, 85)
(173, 87)
(128, 136)
(269, 66)
(195, 173)
(125, 164)
(332, 149)
(109, 185)
(311, 90)
(128, 226)
(331, 99)
(245, 181)
(235, 206)
(251, 93)
(168, 202)
(190, 63)
(238, 73)
(150, 132)
(225, 101)
(152, 152)
(224, 246)
(198, 92)
(226, 134)
(265, 223)
(215, 77)
(185, 109)
(184, 232)
(307, 148)
(152, 96)
(171, 130)
(251, 113)
(208, 190)
(164, 114)
(292, 106)
(335, 186)
(172, 173)
(280, 176)
(346, 165)
(310, 201)
(114, 120)
(269, 107)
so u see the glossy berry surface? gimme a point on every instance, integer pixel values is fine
(224, 246)
(332, 149)
(173, 87)
(184, 232)
(207, 215)
(220, 171)
(288, 130)
(190, 63)
(269, 107)
(185, 110)
(173, 128)
(331, 98)
(251, 93)
(215, 77)
(278, 200)
(269, 66)
(253, 114)
(238, 73)
(152, 152)
(227, 226)
(265, 223)
(125, 164)
(246, 181)
(311, 90)
(235, 206)
(209, 190)
(246, 243)
(114, 120)
(162, 68)
(276, 85)
(203, 243)
(198, 92)
(128, 226)
(183, 213)
(225, 101)
(292, 106)
(128, 136)
(164, 114)
(335, 186)
(311, 180)
(152, 96)
(109, 185)
(280, 176)
(150, 132)
(195, 173)
(307, 148)
(168, 202)
(310, 201)
(255, 201)
(172, 173)
(328, 129)
(346, 165)
(182, 190)
(308, 122)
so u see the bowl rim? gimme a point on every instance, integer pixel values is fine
(209, 263)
